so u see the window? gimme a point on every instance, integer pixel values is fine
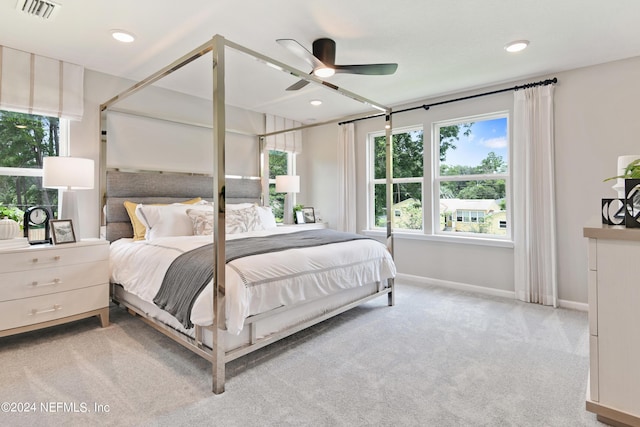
(469, 161)
(408, 171)
(472, 174)
(25, 140)
(280, 163)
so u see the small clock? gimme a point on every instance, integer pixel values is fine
(36, 225)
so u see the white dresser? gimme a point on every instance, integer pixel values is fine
(45, 285)
(614, 324)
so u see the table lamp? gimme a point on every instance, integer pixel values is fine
(68, 174)
(287, 184)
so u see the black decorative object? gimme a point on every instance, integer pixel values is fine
(613, 211)
(36, 225)
(632, 203)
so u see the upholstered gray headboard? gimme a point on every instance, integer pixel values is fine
(154, 187)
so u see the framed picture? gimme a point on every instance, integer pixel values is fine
(62, 231)
(299, 217)
(309, 216)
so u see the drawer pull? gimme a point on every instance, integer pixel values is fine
(55, 258)
(55, 307)
(54, 282)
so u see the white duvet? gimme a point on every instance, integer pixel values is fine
(257, 283)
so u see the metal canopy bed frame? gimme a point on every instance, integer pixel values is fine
(217, 355)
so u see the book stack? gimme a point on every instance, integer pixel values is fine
(15, 243)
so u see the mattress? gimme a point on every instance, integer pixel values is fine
(258, 283)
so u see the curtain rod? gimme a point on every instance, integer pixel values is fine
(464, 98)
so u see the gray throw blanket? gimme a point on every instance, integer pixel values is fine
(190, 272)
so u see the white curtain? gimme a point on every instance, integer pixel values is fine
(534, 197)
(35, 84)
(347, 179)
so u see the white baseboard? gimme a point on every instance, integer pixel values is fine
(419, 280)
(573, 305)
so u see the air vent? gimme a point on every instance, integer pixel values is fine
(41, 8)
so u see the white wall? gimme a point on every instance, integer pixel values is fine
(317, 169)
(596, 120)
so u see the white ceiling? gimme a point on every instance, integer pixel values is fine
(441, 46)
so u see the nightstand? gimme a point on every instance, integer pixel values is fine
(46, 285)
(311, 225)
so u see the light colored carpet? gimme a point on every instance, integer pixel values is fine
(438, 358)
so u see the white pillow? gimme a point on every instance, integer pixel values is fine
(167, 220)
(266, 217)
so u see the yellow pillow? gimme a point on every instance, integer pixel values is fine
(139, 230)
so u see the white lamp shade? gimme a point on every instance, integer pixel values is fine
(67, 172)
(287, 184)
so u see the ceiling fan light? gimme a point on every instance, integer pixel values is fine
(122, 36)
(324, 72)
(516, 46)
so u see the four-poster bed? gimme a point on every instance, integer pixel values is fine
(233, 315)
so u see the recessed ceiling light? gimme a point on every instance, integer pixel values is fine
(122, 36)
(516, 46)
(315, 102)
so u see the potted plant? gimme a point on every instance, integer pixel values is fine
(631, 176)
(632, 171)
(10, 222)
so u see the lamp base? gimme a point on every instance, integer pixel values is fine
(288, 210)
(69, 210)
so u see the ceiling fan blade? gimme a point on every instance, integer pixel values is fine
(298, 85)
(300, 51)
(369, 69)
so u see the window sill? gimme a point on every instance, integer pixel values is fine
(462, 240)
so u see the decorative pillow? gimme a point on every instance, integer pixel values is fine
(167, 220)
(242, 220)
(139, 229)
(266, 217)
(202, 221)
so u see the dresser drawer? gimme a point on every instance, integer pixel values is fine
(44, 281)
(52, 256)
(30, 311)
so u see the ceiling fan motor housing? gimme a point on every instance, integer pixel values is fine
(325, 50)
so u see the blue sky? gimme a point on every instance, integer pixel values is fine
(486, 136)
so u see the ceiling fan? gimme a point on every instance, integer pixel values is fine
(323, 61)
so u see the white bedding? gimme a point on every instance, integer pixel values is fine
(257, 283)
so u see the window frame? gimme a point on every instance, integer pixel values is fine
(64, 143)
(438, 179)
(291, 170)
(430, 189)
(373, 181)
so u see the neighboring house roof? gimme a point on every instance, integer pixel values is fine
(405, 202)
(452, 205)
